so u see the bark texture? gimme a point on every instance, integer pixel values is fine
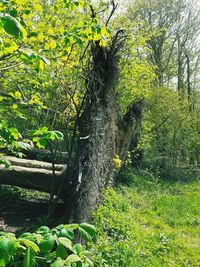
(97, 126)
(103, 135)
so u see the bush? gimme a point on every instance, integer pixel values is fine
(48, 247)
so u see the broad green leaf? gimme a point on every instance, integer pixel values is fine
(61, 251)
(65, 242)
(73, 258)
(12, 26)
(43, 230)
(47, 244)
(77, 248)
(30, 244)
(2, 233)
(24, 145)
(48, 135)
(7, 250)
(87, 231)
(43, 130)
(69, 233)
(26, 234)
(58, 135)
(42, 143)
(85, 235)
(35, 139)
(91, 264)
(40, 131)
(31, 132)
(58, 263)
(14, 132)
(29, 259)
(5, 162)
(27, 55)
(72, 226)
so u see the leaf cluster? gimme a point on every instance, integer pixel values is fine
(48, 247)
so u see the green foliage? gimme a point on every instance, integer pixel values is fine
(43, 135)
(170, 140)
(12, 26)
(7, 249)
(148, 223)
(11, 139)
(45, 247)
(45, 41)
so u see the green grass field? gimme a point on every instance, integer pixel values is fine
(149, 223)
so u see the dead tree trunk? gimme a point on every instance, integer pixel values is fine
(102, 134)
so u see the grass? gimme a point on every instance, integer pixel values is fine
(146, 223)
(149, 223)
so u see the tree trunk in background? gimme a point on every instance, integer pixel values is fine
(189, 91)
(180, 71)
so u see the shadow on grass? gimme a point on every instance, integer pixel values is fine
(24, 210)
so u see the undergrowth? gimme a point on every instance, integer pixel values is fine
(142, 222)
(149, 223)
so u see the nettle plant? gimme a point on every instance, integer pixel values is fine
(55, 247)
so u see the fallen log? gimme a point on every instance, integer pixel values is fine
(45, 155)
(34, 164)
(31, 174)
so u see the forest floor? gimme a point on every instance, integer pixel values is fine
(22, 210)
(146, 222)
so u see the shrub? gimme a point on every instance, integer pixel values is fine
(55, 247)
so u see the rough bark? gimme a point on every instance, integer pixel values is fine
(102, 134)
(97, 126)
(128, 128)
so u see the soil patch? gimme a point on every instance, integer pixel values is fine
(24, 210)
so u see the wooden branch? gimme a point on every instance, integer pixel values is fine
(12, 66)
(114, 7)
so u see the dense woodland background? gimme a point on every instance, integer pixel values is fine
(108, 93)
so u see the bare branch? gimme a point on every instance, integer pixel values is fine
(114, 7)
